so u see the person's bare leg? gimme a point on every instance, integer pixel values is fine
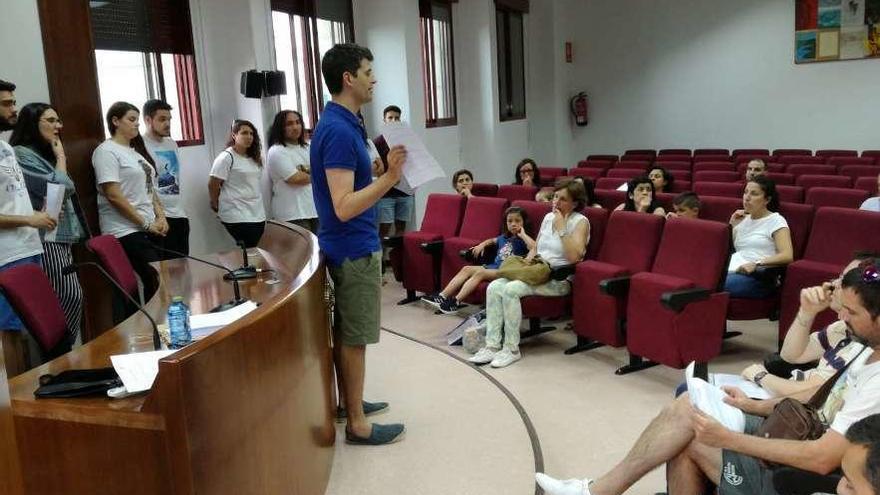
(665, 438)
(474, 281)
(460, 278)
(353, 367)
(690, 471)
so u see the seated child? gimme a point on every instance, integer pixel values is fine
(686, 205)
(514, 241)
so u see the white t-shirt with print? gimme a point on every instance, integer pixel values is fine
(753, 239)
(550, 243)
(167, 159)
(855, 396)
(240, 198)
(19, 242)
(289, 201)
(114, 162)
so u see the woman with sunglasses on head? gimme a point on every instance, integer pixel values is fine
(234, 186)
(128, 205)
(40, 153)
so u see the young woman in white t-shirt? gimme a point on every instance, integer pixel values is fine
(128, 205)
(234, 186)
(288, 164)
(760, 238)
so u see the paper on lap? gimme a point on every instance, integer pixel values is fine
(728, 380)
(420, 166)
(710, 399)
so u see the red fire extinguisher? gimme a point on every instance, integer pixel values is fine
(580, 109)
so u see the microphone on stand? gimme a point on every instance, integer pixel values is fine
(157, 343)
(247, 270)
(236, 289)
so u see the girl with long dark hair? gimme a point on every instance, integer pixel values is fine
(288, 164)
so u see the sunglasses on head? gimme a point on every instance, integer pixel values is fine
(870, 272)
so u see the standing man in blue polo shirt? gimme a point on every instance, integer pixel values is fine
(345, 198)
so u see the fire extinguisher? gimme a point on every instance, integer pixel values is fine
(580, 109)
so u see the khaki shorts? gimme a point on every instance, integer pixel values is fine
(357, 285)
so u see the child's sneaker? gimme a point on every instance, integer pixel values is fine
(433, 300)
(449, 305)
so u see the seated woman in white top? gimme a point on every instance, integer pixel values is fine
(288, 164)
(760, 238)
(128, 205)
(640, 197)
(872, 204)
(234, 186)
(562, 240)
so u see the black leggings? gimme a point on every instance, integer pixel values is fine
(248, 232)
(139, 248)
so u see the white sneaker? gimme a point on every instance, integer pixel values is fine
(505, 357)
(483, 356)
(553, 486)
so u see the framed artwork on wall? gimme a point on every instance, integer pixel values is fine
(836, 30)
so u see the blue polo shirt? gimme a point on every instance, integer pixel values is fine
(340, 141)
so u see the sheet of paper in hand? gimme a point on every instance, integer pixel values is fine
(420, 166)
(710, 399)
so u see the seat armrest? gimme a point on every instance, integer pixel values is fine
(615, 286)
(773, 274)
(468, 255)
(433, 247)
(676, 300)
(392, 241)
(562, 272)
(487, 256)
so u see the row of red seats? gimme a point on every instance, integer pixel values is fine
(824, 153)
(846, 166)
(680, 313)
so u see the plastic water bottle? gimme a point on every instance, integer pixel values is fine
(178, 323)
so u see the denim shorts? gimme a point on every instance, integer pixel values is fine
(391, 209)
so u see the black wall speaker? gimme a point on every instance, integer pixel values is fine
(252, 83)
(276, 83)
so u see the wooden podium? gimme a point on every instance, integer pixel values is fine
(249, 409)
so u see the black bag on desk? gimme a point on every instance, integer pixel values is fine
(78, 383)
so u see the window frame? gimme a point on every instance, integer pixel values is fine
(506, 112)
(429, 74)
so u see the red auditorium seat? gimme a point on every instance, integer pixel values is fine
(868, 184)
(536, 308)
(872, 153)
(840, 161)
(29, 292)
(674, 165)
(711, 151)
(609, 199)
(750, 151)
(835, 235)
(484, 189)
(684, 175)
(482, 220)
(674, 151)
(513, 192)
(771, 167)
(716, 166)
(719, 209)
(549, 174)
(722, 189)
(629, 247)
(747, 157)
(592, 173)
(625, 173)
(642, 152)
(610, 183)
(798, 169)
(609, 158)
(830, 153)
(716, 176)
(791, 194)
(680, 186)
(443, 213)
(809, 181)
(788, 160)
(792, 152)
(712, 158)
(632, 162)
(833, 196)
(856, 171)
(781, 178)
(665, 199)
(676, 312)
(602, 165)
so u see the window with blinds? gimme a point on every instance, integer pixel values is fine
(144, 50)
(304, 30)
(438, 62)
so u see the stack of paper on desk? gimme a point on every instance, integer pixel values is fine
(208, 323)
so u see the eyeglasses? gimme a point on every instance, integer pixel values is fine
(870, 273)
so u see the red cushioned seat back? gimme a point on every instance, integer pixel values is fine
(792, 194)
(868, 184)
(674, 151)
(840, 161)
(833, 196)
(718, 209)
(598, 218)
(741, 167)
(631, 240)
(781, 178)
(609, 183)
(831, 153)
(608, 158)
(747, 157)
(536, 211)
(115, 261)
(680, 186)
(484, 189)
(856, 171)
(809, 181)
(800, 220)
(792, 152)
(719, 166)
(722, 189)
(482, 218)
(625, 173)
(29, 292)
(549, 174)
(750, 151)
(609, 199)
(634, 162)
(674, 165)
(651, 154)
(716, 176)
(711, 151)
(679, 174)
(696, 250)
(790, 159)
(513, 192)
(592, 173)
(838, 232)
(798, 169)
(443, 214)
(872, 153)
(712, 158)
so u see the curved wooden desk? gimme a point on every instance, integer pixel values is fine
(249, 409)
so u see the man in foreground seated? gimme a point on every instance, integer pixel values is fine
(697, 448)
(861, 461)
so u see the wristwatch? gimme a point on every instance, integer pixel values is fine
(758, 377)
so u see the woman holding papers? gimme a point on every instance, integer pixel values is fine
(40, 153)
(288, 164)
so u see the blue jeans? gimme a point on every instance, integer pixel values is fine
(8, 319)
(746, 286)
